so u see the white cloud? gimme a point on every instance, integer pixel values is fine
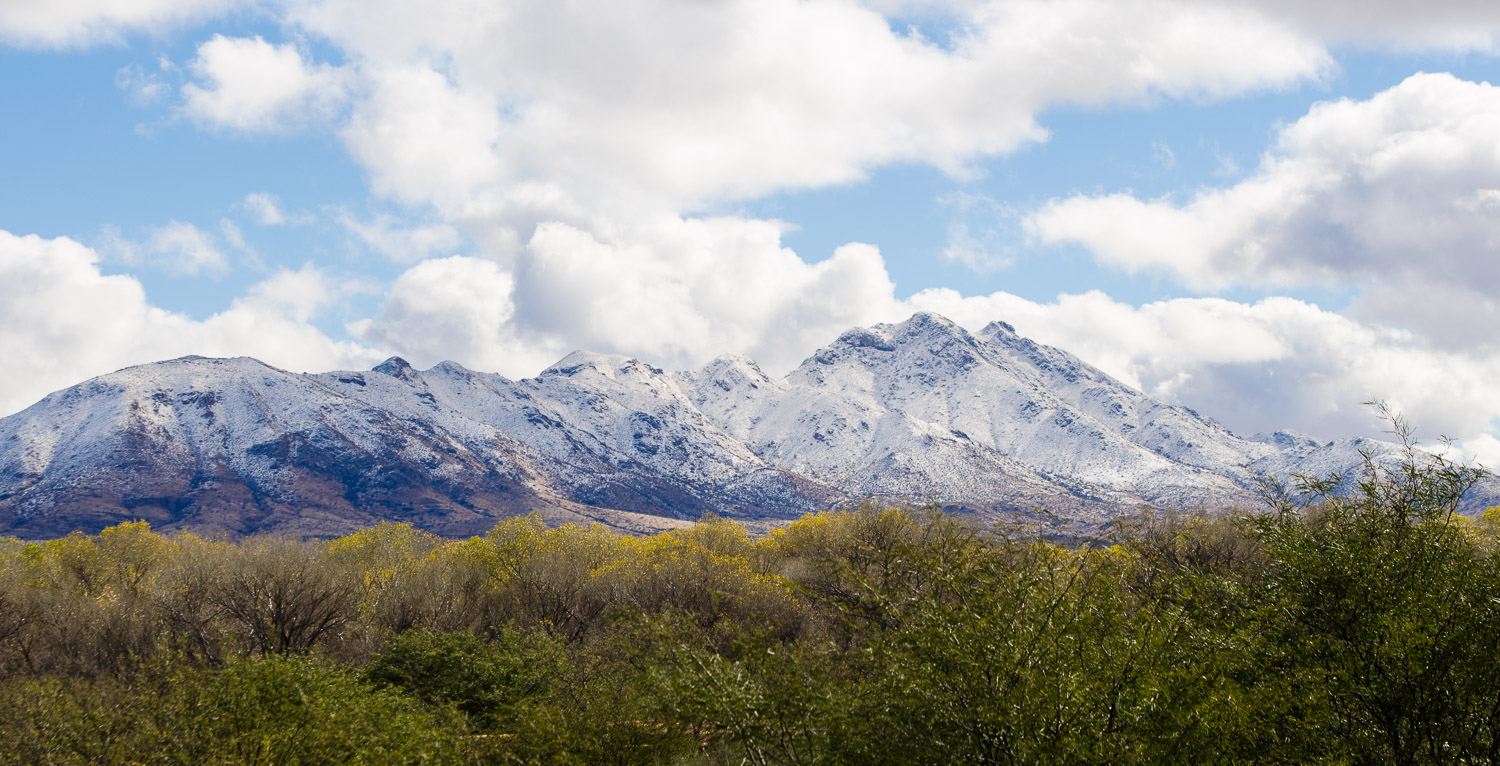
(425, 140)
(457, 308)
(976, 252)
(1462, 25)
(184, 249)
(177, 248)
(291, 297)
(233, 235)
(141, 87)
(1446, 315)
(403, 244)
(67, 322)
(532, 106)
(1396, 190)
(683, 291)
(252, 86)
(53, 24)
(266, 209)
(981, 232)
(1484, 449)
(1227, 166)
(1162, 153)
(572, 149)
(1392, 198)
(677, 293)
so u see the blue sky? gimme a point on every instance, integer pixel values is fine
(1267, 212)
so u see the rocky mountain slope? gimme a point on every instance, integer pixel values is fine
(916, 411)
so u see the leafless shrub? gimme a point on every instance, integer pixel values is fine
(280, 595)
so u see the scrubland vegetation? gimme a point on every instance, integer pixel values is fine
(1351, 624)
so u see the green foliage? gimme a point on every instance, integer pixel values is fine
(1389, 602)
(484, 679)
(957, 648)
(600, 709)
(277, 710)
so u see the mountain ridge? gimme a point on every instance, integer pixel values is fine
(920, 410)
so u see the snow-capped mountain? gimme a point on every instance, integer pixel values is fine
(993, 421)
(918, 411)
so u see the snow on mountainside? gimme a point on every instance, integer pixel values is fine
(920, 410)
(992, 421)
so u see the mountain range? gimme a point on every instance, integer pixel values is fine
(992, 424)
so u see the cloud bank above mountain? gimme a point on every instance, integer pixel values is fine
(577, 170)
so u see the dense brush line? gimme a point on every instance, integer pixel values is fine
(1341, 626)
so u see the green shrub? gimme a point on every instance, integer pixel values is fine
(277, 710)
(484, 679)
(1388, 612)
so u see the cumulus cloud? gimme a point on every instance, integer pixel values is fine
(682, 291)
(252, 86)
(1442, 24)
(51, 24)
(1461, 25)
(68, 322)
(735, 100)
(677, 293)
(1446, 315)
(427, 140)
(457, 308)
(574, 149)
(1397, 190)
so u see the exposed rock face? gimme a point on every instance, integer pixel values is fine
(920, 410)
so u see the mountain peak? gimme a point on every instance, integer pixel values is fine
(732, 371)
(927, 326)
(1287, 439)
(995, 329)
(923, 325)
(186, 369)
(924, 333)
(877, 337)
(923, 319)
(397, 368)
(194, 360)
(450, 367)
(608, 365)
(726, 362)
